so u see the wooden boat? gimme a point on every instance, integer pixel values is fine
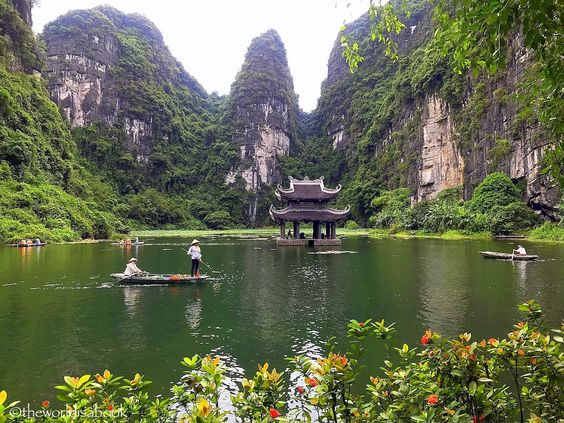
(515, 236)
(157, 279)
(32, 245)
(125, 244)
(507, 256)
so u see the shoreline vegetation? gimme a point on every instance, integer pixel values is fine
(547, 232)
(449, 379)
(534, 235)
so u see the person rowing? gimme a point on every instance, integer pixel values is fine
(131, 268)
(196, 253)
(520, 251)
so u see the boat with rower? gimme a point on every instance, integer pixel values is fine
(127, 244)
(508, 256)
(157, 279)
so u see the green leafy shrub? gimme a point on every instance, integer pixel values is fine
(351, 224)
(495, 190)
(548, 231)
(218, 220)
(512, 218)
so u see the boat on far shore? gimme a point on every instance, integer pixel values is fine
(127, 244)
(508, 256)
(510, 236)
(41, 244)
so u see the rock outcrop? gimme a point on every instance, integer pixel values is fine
(440, 165)
(262, 114)
(421, 126)
(106, 66)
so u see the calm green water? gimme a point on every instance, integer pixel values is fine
(60, 312)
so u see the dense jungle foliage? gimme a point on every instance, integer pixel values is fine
(60, 184)
(458, 379)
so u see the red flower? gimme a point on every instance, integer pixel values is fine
(311, 382)
(478, 419)
(301, 389)
(45, 404)
(432, 399)
(425, 339)
(110, 407)
(492, 341)
(361, 324)
(274, 413)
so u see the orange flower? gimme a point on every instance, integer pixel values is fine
(361, 324)
(432, 399)
(89, 392)
(110, 407)
(274, 413)
(343, 361)
(311, 382)
(45, 404)
(493, 341)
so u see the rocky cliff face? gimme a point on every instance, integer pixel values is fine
(262, 114)
(416, 124)
(106, 66)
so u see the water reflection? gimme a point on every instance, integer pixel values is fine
(442, 291)
(194, 310)
(520, 271)
(131, 298)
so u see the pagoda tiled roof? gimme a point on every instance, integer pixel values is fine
(307, 190)
(308, 214)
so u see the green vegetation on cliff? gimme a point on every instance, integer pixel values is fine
(182, 163)
(44, 190)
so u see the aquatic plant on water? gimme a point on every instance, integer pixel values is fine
(442, 380)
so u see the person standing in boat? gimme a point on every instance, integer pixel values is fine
(520, 250)
(196, 253)
(131, 268)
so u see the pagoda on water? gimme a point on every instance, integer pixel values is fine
(308, 201)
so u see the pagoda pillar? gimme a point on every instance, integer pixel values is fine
(316, 229)
(296, 229)
(282, 229)
(333, 230)
(327, 230)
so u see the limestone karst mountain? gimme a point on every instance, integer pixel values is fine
(263, 110)
(156, 150)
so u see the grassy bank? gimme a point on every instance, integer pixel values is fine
(546, 232)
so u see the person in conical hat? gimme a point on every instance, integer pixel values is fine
(131, 268)
(196, 254)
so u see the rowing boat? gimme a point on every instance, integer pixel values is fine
(157, 279)
(32, 245)
(127, 244)
(507, 256)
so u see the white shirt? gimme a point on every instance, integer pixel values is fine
(521, 251)
(195, 252)
(131, 269)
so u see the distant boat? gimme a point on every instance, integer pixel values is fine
(159, 279)
(514, 236)
(123, 244)
(41, 244)
(507, 256)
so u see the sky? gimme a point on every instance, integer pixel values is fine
(211, 37)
